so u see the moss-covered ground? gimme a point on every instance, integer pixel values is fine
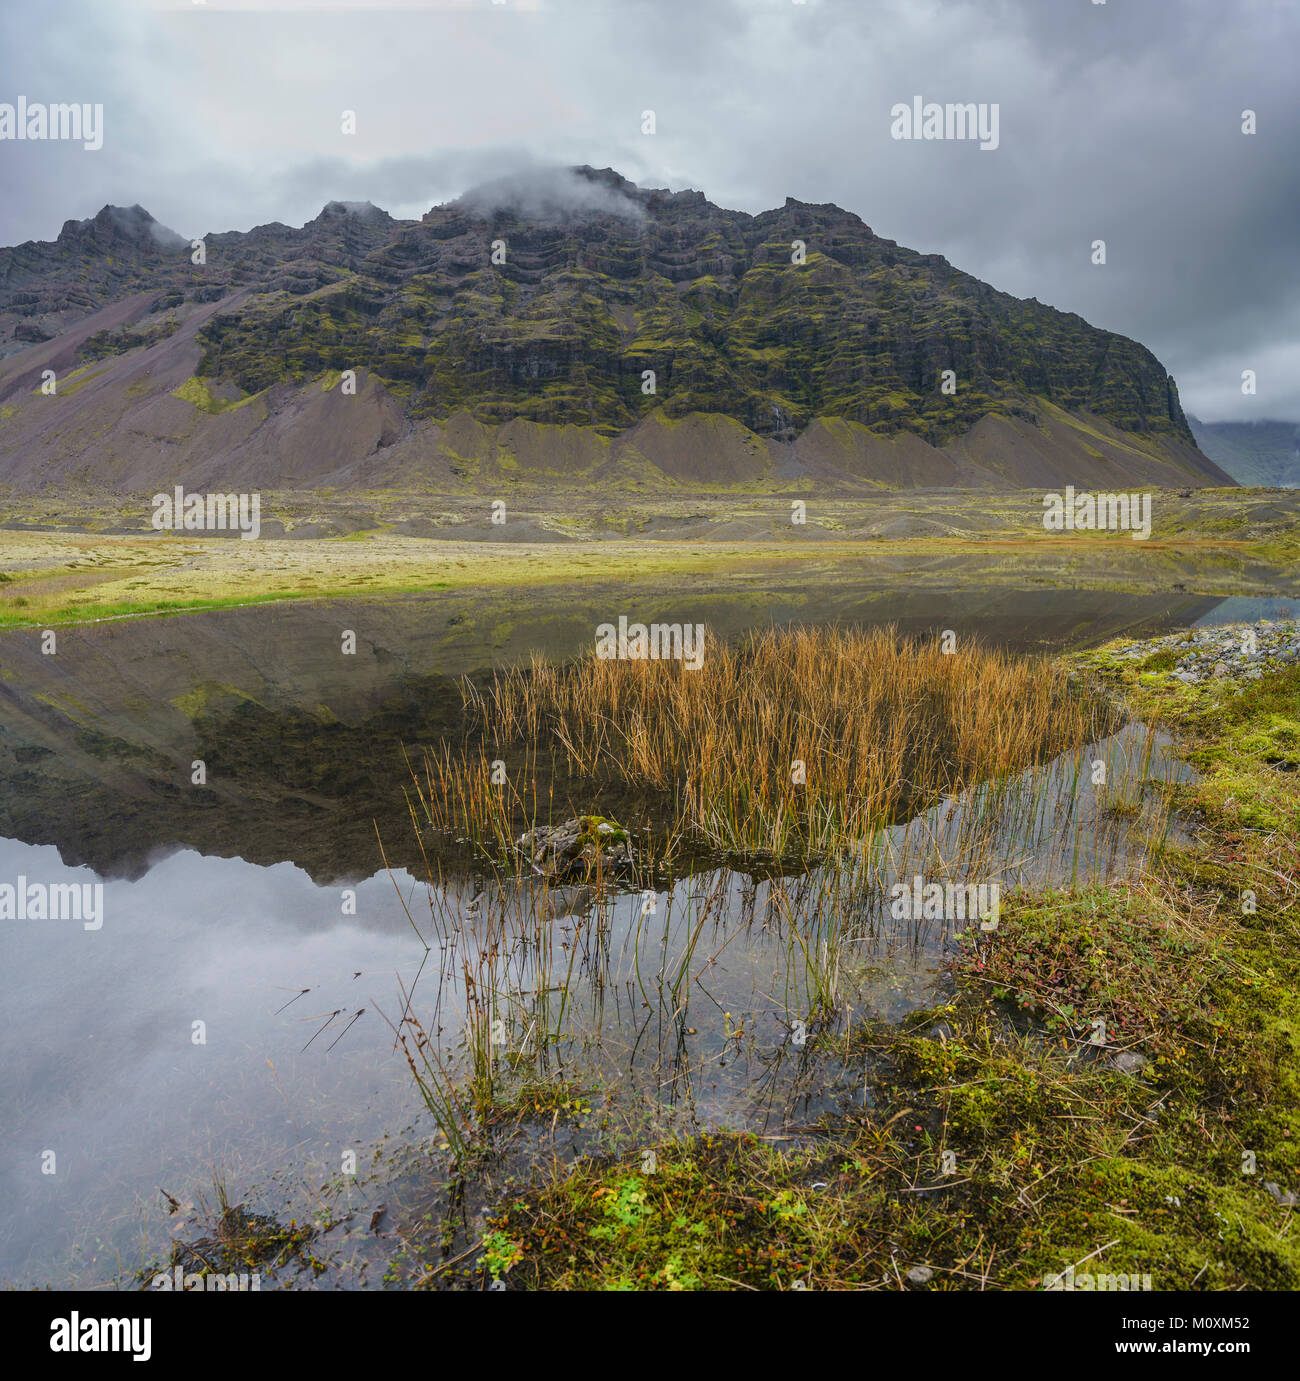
(70, 561)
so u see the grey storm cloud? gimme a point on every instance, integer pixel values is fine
(1119, 121)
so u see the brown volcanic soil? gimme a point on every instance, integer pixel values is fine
(118, 423)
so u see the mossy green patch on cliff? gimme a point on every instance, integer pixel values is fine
(201, 699)
(70, 383)
(104, 344)
(198, 393)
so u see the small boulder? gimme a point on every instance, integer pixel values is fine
(577, 846)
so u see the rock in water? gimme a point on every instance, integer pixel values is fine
(577, 846)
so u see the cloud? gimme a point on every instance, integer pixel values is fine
(551, 194)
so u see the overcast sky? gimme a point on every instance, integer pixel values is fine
(1119, 121)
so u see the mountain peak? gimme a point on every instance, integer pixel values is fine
(130, 223)
(606, 177)
(361, 210)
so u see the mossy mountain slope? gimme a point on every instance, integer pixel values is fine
(790, 345)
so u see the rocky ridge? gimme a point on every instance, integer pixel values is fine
(579, 326)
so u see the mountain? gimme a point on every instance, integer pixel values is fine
(767, 372)
(1261, 453)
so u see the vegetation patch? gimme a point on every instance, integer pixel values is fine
(194, 390)
(1114, 1079)
(795, 744)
